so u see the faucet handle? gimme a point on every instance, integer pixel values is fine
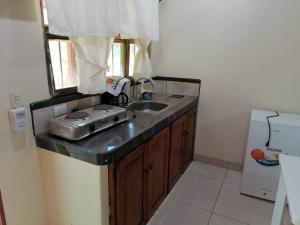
(146, 79)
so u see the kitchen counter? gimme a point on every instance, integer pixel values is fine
(113, 144)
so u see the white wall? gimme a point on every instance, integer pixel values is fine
(76, 192)
(22, 66)
(247, 54)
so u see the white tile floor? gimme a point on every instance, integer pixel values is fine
(209, 195)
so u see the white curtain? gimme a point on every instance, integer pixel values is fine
(91, 63)
(104, 18)
(142, 64)
(138, 19)
(81, 18)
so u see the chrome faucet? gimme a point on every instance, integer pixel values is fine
(135, 96)
(146, 79)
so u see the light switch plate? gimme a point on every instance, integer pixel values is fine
(16, 99)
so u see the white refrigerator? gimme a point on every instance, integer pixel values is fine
(270, 134)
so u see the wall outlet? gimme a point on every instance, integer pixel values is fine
(17, 118)
(60, 110)
(95, 100)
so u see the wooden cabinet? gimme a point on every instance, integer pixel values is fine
(189, 137)
(130, 188)
(157, 170)
(176, 150)
(181, 145)
(139, 182)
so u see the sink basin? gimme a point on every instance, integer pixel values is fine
(148, 106)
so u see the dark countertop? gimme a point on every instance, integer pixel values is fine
(113, 144)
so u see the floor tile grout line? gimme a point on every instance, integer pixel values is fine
(190, 205)
(218, 196)
(186, 203)
(228, 182)
(229, 218)
(207, 176)
(232, 183)
(197, 173)
(202, 175)
(222, 181)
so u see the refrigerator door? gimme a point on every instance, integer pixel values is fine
(261, 166)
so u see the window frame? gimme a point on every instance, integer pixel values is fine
(125, 42)
(47, 36)
(51, 83)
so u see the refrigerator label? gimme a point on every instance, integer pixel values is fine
(266, 156)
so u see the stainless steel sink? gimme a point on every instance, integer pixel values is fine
(148, 106)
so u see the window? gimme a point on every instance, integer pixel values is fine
(60, 56)
(62, 61)
(117, 59)
(132, 52)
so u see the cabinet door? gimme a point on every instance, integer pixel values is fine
(131, 189)
(157, 170)
(190, 129)
(2, 217)
(176, 151)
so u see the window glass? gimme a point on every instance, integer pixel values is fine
(116, 60)
(132, 52)
(63, 66)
